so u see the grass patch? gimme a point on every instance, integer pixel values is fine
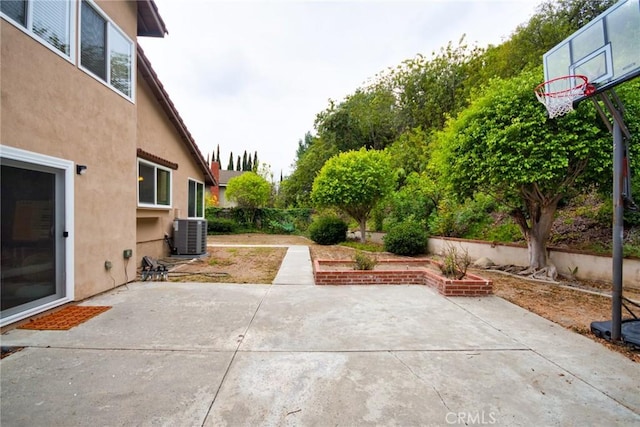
(220, 262)
(368, 246)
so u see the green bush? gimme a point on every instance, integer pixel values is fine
(221, 225)
(468, 219)
(326, 230)
(406, 238)
(363, 261)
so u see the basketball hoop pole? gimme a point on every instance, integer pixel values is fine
(619, 130)
(618, 231)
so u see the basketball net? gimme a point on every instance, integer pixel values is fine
(560, 102)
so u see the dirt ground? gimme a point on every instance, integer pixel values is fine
(565, 304)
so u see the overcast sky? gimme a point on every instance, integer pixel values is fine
(253, 75)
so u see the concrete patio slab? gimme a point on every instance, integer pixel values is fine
(582, 357)
(83, 387)
(409, 388)
(365, 318)
(159, 315)
(185, 354)
(324, 389)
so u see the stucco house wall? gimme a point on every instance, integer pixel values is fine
(158, 135)
(51, 107)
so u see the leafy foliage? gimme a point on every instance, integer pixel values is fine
(249, 190)
(504, 145)
(327, 230)
(295, 190)
(364, 119)
(354, 182)
(406, 238)
(265, 219)
(462, 219)
(221, 225)
(416, 200)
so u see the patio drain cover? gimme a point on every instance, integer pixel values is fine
(66, 318)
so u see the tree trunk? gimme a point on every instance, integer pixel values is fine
(363, 230)
(537, 252)
(537, 228)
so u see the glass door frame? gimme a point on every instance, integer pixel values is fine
(66, 169)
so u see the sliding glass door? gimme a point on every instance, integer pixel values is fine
(33, 236)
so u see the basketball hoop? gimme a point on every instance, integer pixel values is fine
(560, 102)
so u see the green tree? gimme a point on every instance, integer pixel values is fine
(428, 90)
(354, 182)
(504, 145)
(256, 165)
(410, 153)
(303, 145)
(249, 190)
(552, 22)
(230, 164)
(239, 165)
(295, 190)
(364, 119)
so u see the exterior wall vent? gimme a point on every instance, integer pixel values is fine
(190, 236)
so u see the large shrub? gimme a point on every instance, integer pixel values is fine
(406, 238)
(326, 230)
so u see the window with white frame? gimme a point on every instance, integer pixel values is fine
(154, 185)
(195, 205)
(50, 22)
(105, 51)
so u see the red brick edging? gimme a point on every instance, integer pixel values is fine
(471, 285)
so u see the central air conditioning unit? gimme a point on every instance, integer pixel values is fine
(190, 236)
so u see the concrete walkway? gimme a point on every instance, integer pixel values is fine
(296, 268)
(205, 354)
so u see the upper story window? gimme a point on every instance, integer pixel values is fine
(195, 203)
(154, 185)
(105, 51)
(48, 21)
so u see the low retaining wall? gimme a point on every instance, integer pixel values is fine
(589, 266)
(417, 274)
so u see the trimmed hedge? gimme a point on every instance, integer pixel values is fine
(406, 238)
(327, 230)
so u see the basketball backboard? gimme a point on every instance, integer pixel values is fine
(606, 50)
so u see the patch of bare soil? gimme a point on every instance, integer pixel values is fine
(258, 239)
(257, 265)
(565, 304)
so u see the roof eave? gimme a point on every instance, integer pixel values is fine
(150, 23)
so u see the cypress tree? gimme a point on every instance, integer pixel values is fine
(239, 164)
(255, 161)
(230, 165)
(218, 154)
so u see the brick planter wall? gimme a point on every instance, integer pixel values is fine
(472, 285)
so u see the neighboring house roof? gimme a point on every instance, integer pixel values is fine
(150, 22)
(150, 76)
(225, 176)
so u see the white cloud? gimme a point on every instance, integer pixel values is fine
(253, 75)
